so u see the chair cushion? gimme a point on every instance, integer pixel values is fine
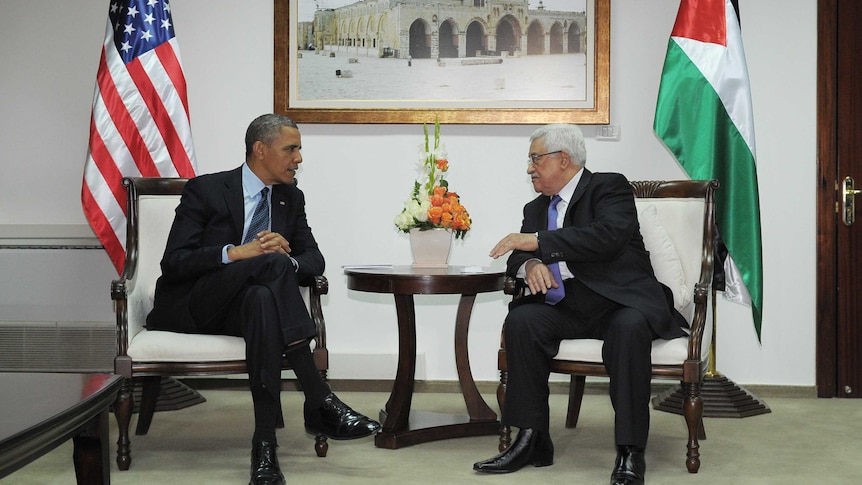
(664, 257)
(664, 352)
(160, 346)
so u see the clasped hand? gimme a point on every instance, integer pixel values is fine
(266, 242)
(538, 276)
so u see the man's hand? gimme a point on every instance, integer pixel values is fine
(265, 243)
(517, 240)
(539, 278)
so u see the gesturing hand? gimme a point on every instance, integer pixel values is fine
(516, 240)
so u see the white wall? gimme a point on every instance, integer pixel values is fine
(356, 176)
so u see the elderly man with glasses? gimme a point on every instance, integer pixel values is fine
(582, 256)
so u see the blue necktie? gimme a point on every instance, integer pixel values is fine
(554, 295)
(260, 218)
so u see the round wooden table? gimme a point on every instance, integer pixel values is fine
(401, 426)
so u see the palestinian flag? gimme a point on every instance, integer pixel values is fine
(704, 117)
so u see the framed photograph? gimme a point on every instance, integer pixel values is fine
(460, 61)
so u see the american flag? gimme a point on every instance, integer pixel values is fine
(140, 121)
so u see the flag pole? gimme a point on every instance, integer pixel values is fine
(712, 372)
(722, 398)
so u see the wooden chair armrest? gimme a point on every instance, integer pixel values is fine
(319, 285)
(120, 289)
(699, 321)
(513, 286)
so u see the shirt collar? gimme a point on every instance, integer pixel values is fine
(251, 184)
(569, 189)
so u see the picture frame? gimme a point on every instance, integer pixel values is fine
(593, 109)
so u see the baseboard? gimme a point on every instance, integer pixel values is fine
(485, 387)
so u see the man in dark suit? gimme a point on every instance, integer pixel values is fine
(238, 248)
(582, 256)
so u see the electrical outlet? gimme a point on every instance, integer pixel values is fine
(608, 133)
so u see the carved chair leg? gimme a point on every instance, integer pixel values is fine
(151, 387)
(692, 409)
(501, 389)
(576, 397)
(123, 406)
(505, 431)
(321, 445)
(505, 438)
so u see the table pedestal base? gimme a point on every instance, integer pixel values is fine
(424, 426)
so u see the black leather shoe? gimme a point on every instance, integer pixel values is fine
(264, 465)
(630, 466)
(338, 421)
(530, 447)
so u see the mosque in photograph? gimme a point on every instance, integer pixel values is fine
(444, 29)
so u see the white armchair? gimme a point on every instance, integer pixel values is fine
(149, 355)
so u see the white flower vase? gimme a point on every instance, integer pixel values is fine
(431, 248)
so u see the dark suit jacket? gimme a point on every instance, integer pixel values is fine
(600, 242)
(209, 216)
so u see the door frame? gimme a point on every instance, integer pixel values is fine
(827, 218)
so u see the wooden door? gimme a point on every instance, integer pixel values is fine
(839, 244)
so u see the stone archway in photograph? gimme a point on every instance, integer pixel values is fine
(574, 39)
(535, 39)
(508, 34)
(556, 46)
(448, 39)
(476, 43)
(420, 40)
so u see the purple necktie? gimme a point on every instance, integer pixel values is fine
(554, 295)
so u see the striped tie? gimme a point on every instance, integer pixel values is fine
(554, 295)
(260, 218)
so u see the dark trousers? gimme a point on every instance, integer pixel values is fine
(259, 300)
(533, 332)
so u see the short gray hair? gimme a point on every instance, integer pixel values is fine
(563, 137)
(265, 128)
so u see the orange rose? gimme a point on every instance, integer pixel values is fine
(434, 215)
(443, 164)
(446, 220)
(462, 222)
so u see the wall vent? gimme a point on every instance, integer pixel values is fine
(57, 346)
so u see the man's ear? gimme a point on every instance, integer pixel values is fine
(565, 160)
(257, 149)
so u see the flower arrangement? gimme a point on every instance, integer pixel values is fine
(431, 204)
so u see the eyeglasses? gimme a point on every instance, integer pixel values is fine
(534, 158)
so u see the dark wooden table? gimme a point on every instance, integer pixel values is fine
(39, 411)
(401, 426)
